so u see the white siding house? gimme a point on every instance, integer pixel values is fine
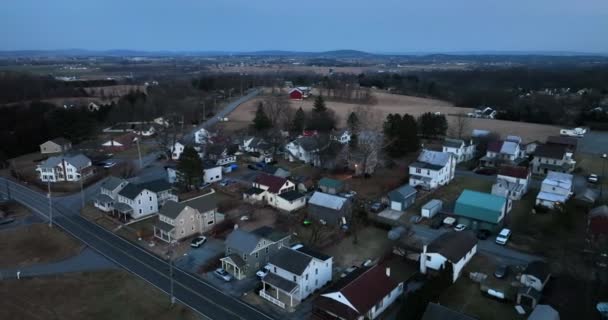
(556, 189)
(432, 169)
(461, 149)
(136, 202)
(176, 150)
(511, 182)
(275, 191)
(69, 168)
(211, 172)
(454, 248)
(201, 136)
(108, 193)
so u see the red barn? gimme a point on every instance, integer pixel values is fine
(296, 94)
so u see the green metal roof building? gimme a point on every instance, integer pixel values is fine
(480, 210)
(331, 186)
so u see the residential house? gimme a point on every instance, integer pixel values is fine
(555, 190)
(570, 143)
(211, 172)
(162, 189)
(598, 221)
(363, 294)
(275, 191)
(135, 202)
(511, 182)
(222, 155)
(176, 149)
(68, 167)
(331, 186)
(463, 150)
(108, 193)
(120, 143)
(402, 197)
(536, 275)
(180, 220)
(255, 144)
(432, 169)
(201, 136)
(306, 149)
(364, 158)
(342, 136)
(57, 145)
(479, 210)
(502, 152)
(451, 250)
(294, 274)
(276, 171)
(436, 311)
(329, 209)
(552, 157)
(247, 252)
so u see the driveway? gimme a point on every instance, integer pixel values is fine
(196, 257)
(235, 288)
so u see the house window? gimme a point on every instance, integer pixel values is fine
(257, 255)
(294, 279)
(244, 256)
(418, 170)
(266, 249)
(317, 271)
(429, 258)
(228, 251)
(139, 210)
(275, 269)
(210, 222)
(192, 227)
(307, 276)
(138, 201)
(150, 198)
(316, 282)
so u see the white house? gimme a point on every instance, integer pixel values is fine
(254, 144)
(536, 275)
(342, 136)
(502, 152)
(305, 149)
(211, 172)
(65, 168)
(363, 294)
(294, 274)
(461, 149)
(108, 193)
(162, 189)
(275, 191)
(222, 155)
(201, 136)
(553, 157)
(511, 182)
(432, 169)
(556, 189)
(136, 202)
(451, 249)
(176, 150)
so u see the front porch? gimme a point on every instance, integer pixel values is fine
(104, 202)
(234, 265)
(122, 210)
(279, 291)
(164, 231)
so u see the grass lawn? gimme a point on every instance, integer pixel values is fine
(593, 163)
(373, 243)
(34, 244)
(100, 295)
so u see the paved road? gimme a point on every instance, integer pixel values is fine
(221, 114)
(196, 293)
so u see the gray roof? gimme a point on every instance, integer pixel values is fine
(156, 185)
(438, 312)
(453, 245)
(402, 193)
(329, 201)
(291, 195)
(103, 198)
(434, 157)
(236, 259)
(122, 207)
(202, 204)
(131, 191)
(291, 260)
(112, 183)
(313, 253)
(278, 282)
(308, 143)
(78, 160)
(453, 143)
(164, 226)
(242, 241)
(61, 141)
(543, 312)
(509, 147)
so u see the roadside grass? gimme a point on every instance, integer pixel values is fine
(33, 244)
(100, 295)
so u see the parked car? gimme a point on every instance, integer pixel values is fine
(225, 182)
(415, 219)
(593, 178)
(460, 227)
(222, 274)
(483, 234)
(198, 241)
(503, 236)
(486, 171)
(296, 246)
(109, 164)
(436, 222)
(349, 194)
(377, 207)
(367, 263)
(501, 271)
(348, 270)
(252, 167)
(263, 272)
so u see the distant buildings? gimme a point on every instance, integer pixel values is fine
(57, 145)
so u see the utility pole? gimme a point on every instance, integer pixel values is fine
(50, 204)
(171, 244)
(139, 153)
(604, 159)
(82, 188)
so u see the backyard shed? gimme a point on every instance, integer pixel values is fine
(479, 210)
(331, 186)
(431, 208)
(402, 197)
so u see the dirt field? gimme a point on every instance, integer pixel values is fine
(101, 295)
(391, 103)
(34, 244)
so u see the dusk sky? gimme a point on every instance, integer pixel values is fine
(313, 25)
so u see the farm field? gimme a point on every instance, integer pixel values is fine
(387, 103)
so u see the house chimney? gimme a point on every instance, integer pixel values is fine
(388, 271)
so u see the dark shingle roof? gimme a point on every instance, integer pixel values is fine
(291, 195)
(253, 190)
(514, 171)
(402, 193)
(131, 191)
(539, 269)
(273, 183)
(279, 282)
(269, 233)
(203, 203)
(112, 183)
(453, 245)
(156, 185)
(314, 254)
(551, 151)
(438, 312)
(291, 260)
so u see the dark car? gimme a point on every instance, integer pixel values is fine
(377, 207)
(252, 167)
(436, 223)
(501, 271)
(483, 234)
(487, 171)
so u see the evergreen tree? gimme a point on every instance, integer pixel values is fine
(299, 121)
(261, 121)
(319, 105)
(352, 122)
(190, 168)
(432, 125)
(401, 135)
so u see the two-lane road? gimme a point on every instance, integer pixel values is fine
(198, 294)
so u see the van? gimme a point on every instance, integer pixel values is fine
(503, 236)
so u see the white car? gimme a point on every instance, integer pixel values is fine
(222, 274)
(503, 236)
(460, 227)
(593, 178)
(109, 164)
(198, 241)
(263, 272)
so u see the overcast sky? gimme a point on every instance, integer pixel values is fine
(306, 25)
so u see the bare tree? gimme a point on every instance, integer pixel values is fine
(367, 140)
(461, 127)
(279, 111)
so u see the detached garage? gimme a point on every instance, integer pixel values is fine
(402, 198)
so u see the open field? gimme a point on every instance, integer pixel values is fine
(37, 243)
(391, 103)
(101, 295)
